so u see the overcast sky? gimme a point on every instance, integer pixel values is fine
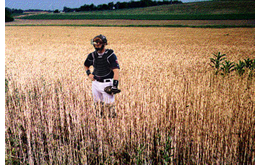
(59, 4)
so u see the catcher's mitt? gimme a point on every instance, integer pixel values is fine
(111, 91)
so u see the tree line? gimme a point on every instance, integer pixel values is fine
(121, 5)
(8, 15)
(110, 6)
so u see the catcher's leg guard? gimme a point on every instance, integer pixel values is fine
(111, 110)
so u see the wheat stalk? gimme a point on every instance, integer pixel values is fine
(172, 108)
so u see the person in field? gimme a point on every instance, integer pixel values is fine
(105, 73)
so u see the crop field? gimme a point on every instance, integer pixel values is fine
(144, 17)
(229, 10)
(173, 109)
(134, 23)
(219, 14)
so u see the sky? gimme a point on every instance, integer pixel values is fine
(60, 4)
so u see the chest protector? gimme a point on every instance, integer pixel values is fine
(101, 64)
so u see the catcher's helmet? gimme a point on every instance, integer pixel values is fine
(101, 37)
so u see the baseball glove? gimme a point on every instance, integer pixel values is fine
(111, 91)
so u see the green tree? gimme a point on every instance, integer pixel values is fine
(8, 15)
(146, 3)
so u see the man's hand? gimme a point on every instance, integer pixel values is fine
(91, 76)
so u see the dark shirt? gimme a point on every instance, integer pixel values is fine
(103, 64)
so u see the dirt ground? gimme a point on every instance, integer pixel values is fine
(131, 22)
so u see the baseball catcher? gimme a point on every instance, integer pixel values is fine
(105, 76)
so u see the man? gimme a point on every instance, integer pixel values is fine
(106, 73)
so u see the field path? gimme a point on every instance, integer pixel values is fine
(132, 22)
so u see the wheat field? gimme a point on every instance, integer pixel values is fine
(172, 109)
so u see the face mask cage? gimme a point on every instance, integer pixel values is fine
(96, 42)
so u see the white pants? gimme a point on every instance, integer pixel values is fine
(99, 95)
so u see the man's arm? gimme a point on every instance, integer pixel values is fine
(115, 79)
(116, 74)
(91, 76)
(88, 62)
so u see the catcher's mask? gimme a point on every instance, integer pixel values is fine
(99, 40)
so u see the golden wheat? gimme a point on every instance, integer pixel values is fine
(169, 97)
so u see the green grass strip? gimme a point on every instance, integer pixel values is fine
(191, 26)
(144, 17)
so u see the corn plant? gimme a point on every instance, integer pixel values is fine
(248, 63)
(240, 68)
(252, 67)
(217, 61)
(227, 67)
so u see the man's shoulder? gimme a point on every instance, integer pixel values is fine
(92, 54)
(109, 51)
